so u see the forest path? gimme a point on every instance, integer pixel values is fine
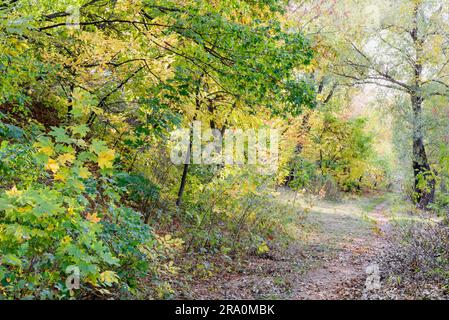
(347, 239)
(335, 243)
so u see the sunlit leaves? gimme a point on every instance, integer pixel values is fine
(129, 74)
(84, 173)
(335, 147)
(53, 220)
(45, 146)
(109, 278)
(105, 155)
(93, 218)
(98, 146)
(80, 130)
(66, 158)
(52, 165)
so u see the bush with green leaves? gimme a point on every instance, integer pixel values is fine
(232, 213)
(140, 190)
(66, 219)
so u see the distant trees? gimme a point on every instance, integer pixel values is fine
(398, 45)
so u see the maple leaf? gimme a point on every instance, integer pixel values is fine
(105, 159)
(81, 130)
(109, 277)
(93, 218)
(45, 146)
(66, 157)
(47, 150)
(48, 208)
(84, 173)
(60, 176)
(52, 165)
(60, 135)
(98, 146)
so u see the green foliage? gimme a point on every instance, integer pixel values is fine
(47, 227)
(9, 131)
(93, 188)
(335, 150)
(140, 190)
(303, 173)
(234, 212)
(128, 239)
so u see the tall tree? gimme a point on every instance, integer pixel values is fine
(405, 48)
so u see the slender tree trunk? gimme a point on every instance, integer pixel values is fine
(185, 172)
(424, 179)
(69, 115)
(305, 127)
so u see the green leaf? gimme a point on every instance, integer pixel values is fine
(109, 277)
(60, 135)
(11, 260)
(46, 208)
(3, 271)
(81, 130)
(98, 146)
(5, 204)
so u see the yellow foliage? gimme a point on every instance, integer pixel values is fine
(105, 158)
(52, 165)
(47, 150)
(13, 192)
(84, 173)
(93, 218)
(263, 248)
(109, 277)
(61, 176)
(66, 158)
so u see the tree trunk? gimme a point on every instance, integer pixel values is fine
(185, 172)
(183, 184)
(424, 179)
(69, 115)
(305, 125)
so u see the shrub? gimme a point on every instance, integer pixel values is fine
(66, 220)
(141, 191)
(418, 258)
(233, 212)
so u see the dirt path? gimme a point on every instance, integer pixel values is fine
(354, 239)
(335, 245)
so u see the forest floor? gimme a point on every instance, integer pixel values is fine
(334, 243)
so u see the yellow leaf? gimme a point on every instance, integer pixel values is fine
(93, 218)
(66, 240)
(25, 209)
(60, 176)
(109, 277)
(84, 173)
(47, 150)
(13, 192)
(263, 248)
(52, 165)
(66, 157)
(105, 158)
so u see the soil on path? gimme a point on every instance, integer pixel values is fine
(328, 260)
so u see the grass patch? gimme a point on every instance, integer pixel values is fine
(371, 203)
